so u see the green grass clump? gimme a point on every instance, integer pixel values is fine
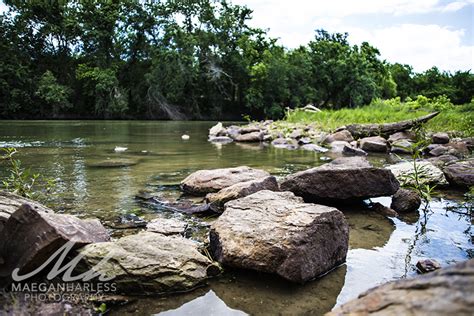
(456, 119)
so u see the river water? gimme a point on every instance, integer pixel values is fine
(75, 153)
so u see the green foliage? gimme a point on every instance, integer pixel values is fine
(459, 119)
(187, 59)
(22, 181)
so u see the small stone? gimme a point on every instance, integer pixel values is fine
(404, 201)
(427, 265)
(353, 151)
(304, 141)
(401, 135)
(440, 138)
(343, 135)
(253, 137)
(402, 146)
(314, 147)
(220, 139)
(383, 210)
(374, 144)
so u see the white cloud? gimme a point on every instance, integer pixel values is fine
(421, 46)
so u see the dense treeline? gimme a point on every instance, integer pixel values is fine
(185, 59)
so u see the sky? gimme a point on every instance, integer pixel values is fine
(421, 33)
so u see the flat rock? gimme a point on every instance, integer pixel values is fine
(253, 137)
(460, 173)
(353, 151)
(167, 226)
(209, 181)
(343, 179)
(238, 190)
(30, 237)
(343, 135)
(440, 138)
(275, 232)
(405, 201)
(150, 263)
(10, 202)
(444, 292)
(401, 135)
(314, 147)
(428, 173)
(374, 144)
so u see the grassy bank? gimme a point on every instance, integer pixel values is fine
(456, 119)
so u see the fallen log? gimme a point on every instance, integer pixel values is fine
(367, 130)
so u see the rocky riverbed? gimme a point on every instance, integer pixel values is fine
(295, 228)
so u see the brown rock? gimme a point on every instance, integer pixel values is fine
(10, 202)
(440, 138)
(404, 201)
(401, 135)
(342, 179)
(343, 135)
(275, 232)
(217, 200)
(253, 137)
(444, 292)
(353, 151)
(167, 226)
(427, 265)
(374, 144)
(30, 237)
(208, 181)
(460, 173)
(381, 209)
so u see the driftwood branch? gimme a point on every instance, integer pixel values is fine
(367, 130)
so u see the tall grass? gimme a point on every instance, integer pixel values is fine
(457, 119)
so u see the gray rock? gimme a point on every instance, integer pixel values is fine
(444, 292)
(275, 232)
(113, 163)
(460, 173)
(220, 139)
(440, 150)
(253, 137)
(428, 173)
(401, 135)
(402, 146)
(342, 179)
(374, 144)
(337, 146)
(296, 134)
(30, 237)
(405, 201)
(250, 129)
(304, 141)
(217, 130)
(209, 181)
(442, 160)
(283, 143)
(314, 147)
(343, 135)
(217, 200)
(458, 148)
(167, 226)
(353, 151)
(10, 202)
(440, 138)
(150, 263)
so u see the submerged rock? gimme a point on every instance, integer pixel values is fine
(404, 201)
(276, 232)
(30, 237)
(220, 139)
(427, 265)
(114, 163)
(460, 173)
(209, 181)
(374, 144)
(217, 200)
(428, 173)
(444, 292)
(383, 210)
(10, 202)
(150, 263)
(342, 179)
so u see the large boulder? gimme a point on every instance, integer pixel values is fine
(217, 200)
(444, 292)
(30, 237)
(343, 135)
(275, 232)
(10, 202)
(460, 173)
(209, 181)
(404, 201)
(342, 179)
(374, 144)
(427, 173)
(150, 263)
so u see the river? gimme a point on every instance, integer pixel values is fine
(381, 249)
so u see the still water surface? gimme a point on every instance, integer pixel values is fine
(381, 249)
